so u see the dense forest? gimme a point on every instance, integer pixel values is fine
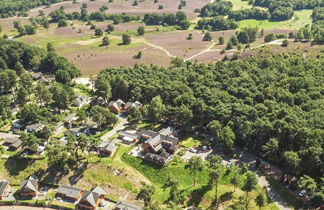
(273, 106)
(9, 8)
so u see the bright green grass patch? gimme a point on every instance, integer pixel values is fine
(300, 19)
(239, 4)
(190, 142)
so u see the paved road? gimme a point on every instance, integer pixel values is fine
(120, 126)
(247, 157)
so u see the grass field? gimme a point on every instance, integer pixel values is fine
(300, 19)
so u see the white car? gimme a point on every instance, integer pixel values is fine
(193, 150)
(302, 193)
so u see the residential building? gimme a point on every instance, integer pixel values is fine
(130, 105)
(91, 199)
(28, 187)
(68, 120)
(69, 193)
(127, 137)
(107, 148)
(116, 106)
(34, 127)
(12, 143)
(80, 101)
(121, 205)
(4, 189)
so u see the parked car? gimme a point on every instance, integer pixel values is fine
(302, 193)
(193, 150)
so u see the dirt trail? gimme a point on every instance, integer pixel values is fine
(202, 52)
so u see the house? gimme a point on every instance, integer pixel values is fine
(116, 106)
(68, 120)
(121, 205)
(36, 75)
(98, 101)
(28, 187)
(130, 105)
(92, 199)
(127, 137)
(107, 148)
(80, 101)
(153, 145)
(12, 143)
(34, 127)
(4, 189)
(69, 193)
(59, 126)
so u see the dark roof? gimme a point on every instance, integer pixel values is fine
(172, 141)
(69, 191)
(145, 132)
(3, 186)
(126, 206)
(90, 198)
(28, 185)
(155, 143)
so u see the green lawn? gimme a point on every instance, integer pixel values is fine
(300, 19)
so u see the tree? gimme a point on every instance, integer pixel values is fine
(235, 181)
(141, 30)
(215, 127)
(195, 165)
(62, 23)
(214, 176)
(103, 88)
(98, 32)
(110, 28)
(29, 113)
(227, 137)
(250, 182)
(135, 117)
(62, 96)
(175, 194)
(270, 37)
(43, 95)
(30, 141)
(103, 116)
(0, 29)
(308, 183)
(207, 37)
(229, 45)
(189, 37)
(292, 162)
(50, 47)
(126, 39)
(146, 192)
(155, 109)
(221, 40)
(285, 43)
(105, 41)
(22, 96)
(135, 3)
(271, 149)
(261, 199)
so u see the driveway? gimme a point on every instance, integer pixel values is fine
(186, 157)
(120, 126)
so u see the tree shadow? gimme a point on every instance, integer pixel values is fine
(54, 174)
(197, 195)
(15, 165)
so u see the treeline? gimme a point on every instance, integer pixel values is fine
(252, 13)
(274, 106)
(217, 8)
(9, 8)
(179, 19)
(59, 15)
(17, 57)
(216, 24)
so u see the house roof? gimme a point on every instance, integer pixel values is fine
(155, 143)
(10, 140)
(17, 144)
(99, 191)
(70, 117)
(29, 184)
(90, 198)
(69, 191)
(127, 134)
(107, 146)
(80, 100)
(3, 186)
(113, 104)
(166, 131)
(34, 126)
(120, 102)
(135, 104)
(126, 206)
(145, 132)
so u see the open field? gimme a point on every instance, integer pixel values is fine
(301, 18)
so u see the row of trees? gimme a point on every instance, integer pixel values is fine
(253, 13)
(180, 19)
(216, 24)
(256, 99)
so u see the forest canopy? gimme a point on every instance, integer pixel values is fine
(264, 101)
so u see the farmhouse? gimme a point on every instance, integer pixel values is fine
(4, 189)
(107, 148)
(28, 187)
(12, 143)
(116, 106)
(130, 105)
(69, 193)
(92, 199)
(127, 137)
(34, 127)
(123, 206)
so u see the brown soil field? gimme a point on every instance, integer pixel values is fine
(177, 44)
(120, 6)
